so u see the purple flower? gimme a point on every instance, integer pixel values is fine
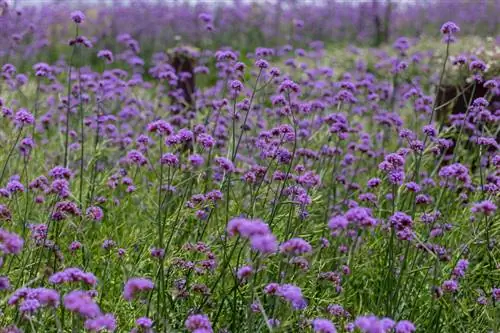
(214, 195)
(296, 247)
(71, 275)
(491, 84)
(26, 145)
(373, 182)
(157, 252)
(323, 326)
(247, 228)
(338, 223)
(4, 283)
(349, 327)
(108, 244)
(196, 160)
(95, 213)
(457, 172)
(262, 64)
(244, 272)
(60, 187)
(206, 140)
(485, 207)
(289, 86)
(42, 69)
(198, 322)
(275, 72)
(360, 215)
(481, 300)
(413, 187)
(461, 268)
(161, 127)
(34, 298)
(10, 243)
(449, 28)
(430, 131)
(401, 220)
(205, 17)
(236, 86)
(60, 172)
(29, 306)
(64, 208)
(23, 118)
(80, 302)
(372, 324)
(460, 60)
(169, 159)
(402, 44)
(264, 244)
(136, 157)
(14, 186)
(495, 292)
(271, 288)
(292, 294)
(135, 286)
(337, 310)
(74, 246)
(78, 17)
(106, 54)
(450, 286)
(309, 179)
(5, 213)
(273, 322)
(185, 135)
(477, 65)
(144, 322)
(103, 322)
(405, 326)
(392, 162)
(225, 164)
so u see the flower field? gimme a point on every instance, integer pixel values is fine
(248, 168)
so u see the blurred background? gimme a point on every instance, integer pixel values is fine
(40, 28)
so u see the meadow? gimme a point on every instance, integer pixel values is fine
(241, 168)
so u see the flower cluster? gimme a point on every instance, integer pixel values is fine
(253, 182)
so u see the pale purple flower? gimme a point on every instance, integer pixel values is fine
(135, 286)
(321, 325)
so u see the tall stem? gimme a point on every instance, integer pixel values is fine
(68, 109)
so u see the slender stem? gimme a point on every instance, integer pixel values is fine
(68, 109)
(9, 155)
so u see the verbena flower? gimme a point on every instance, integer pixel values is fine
(78, 17)
(24, 118)
(372, 324)
(323, 326)
(10, 243)
(106, 54)
(71, 275)
(296, 247)
(293, 295)
(198, 322)
(485, 207)
(134, 286)
(103, 322)
(81, 302)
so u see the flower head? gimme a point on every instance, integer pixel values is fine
(135, 286)
(198, 322)
(24, 118)
(81, 302)
(449, 28)
(321, 325)
(78, 17)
